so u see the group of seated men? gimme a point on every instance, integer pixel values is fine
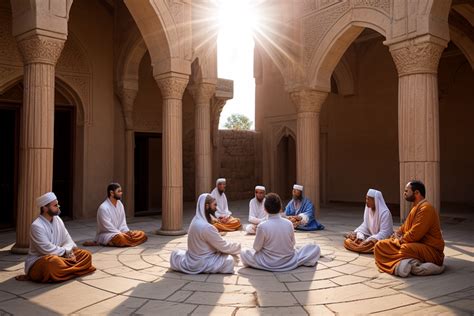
(416, 247)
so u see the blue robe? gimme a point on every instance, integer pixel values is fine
(306, 208)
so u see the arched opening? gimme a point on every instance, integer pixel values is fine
(455, 82)
(361, 128)
(65, 162)
(286, 166)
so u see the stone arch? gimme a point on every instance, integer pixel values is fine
(165, 32)
(465, 45)
(9, 77)
(344, 77)
(337, 40)
(129, 62)
(284, 148)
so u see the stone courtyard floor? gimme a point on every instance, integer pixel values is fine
(138, 280)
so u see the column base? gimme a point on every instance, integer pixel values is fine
(19, 250)
(179, 232)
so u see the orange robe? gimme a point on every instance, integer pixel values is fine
(352, 245)
(53, 268)
(231, 225)
(422, 240)
(134, 238)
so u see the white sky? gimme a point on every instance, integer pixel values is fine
(235, 57)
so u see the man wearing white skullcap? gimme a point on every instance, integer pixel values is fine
(53, 256)
(223, 220)
(300, 211)
(377, 224)
(257, 212)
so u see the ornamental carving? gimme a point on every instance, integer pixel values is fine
(417, 58)
(383, 5)
(308, 100)
(40, 49)
(172, 87)
(203, 92)
(316, 25)
(73, 57)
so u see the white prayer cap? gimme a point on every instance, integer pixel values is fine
(220, 180)
(298, 187)
(260, 187)
(45, 199)
(372, 193)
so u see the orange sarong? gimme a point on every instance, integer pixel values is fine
(52, 268)
(422, 240)
(352, 245)
(131, 239)
(231, 225)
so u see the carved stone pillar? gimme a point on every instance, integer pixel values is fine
(203, 152)
(172, 87)
(418, 116)
(40, 55)
(308, 105)
(127, 97)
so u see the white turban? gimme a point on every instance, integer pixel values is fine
(298, 187)
(45, 199)
(372, 193)
(220, 180)
(260, 187)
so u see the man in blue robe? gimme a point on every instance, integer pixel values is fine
(300, 211)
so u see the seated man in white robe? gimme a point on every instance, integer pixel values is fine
(112, 229)
(257, 212)
(207, 251)
(223, 219)
(274, 245)
(377, 225)
(53, 256)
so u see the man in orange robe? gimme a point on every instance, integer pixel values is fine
(417, 247)
(53, 255)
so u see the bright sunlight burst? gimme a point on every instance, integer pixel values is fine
(238, 21)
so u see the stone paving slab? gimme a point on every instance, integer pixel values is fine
(138, 280)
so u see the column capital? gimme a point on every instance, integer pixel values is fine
(172, 85)
(40, 49)
(308, 100)
(203, 92)
(419, 55)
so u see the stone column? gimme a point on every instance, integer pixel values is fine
(127, 97)
(203, 93)
(172, 87)
(418, 116)
(308, 106)
(40, 54)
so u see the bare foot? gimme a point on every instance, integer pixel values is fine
(90, 243)
(22, 277)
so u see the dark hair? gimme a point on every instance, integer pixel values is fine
(112, 187)
(417, 185)
(272, 203)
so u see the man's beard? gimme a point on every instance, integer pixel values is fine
(220, 192)
(410, 198)
(259, 200)
(51, 213)
(210, 212)
(299, 197)
(117, 197)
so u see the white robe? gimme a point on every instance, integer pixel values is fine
(207, 251)
(222, 205)
(274, 247)
(257, 214)
(378, 224)
(47, 238)
(110, 221)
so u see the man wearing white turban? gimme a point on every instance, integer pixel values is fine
(274, 245)
(223, 219)
(377, 225)
(53, 256)
(257, 212)
(207, 251)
